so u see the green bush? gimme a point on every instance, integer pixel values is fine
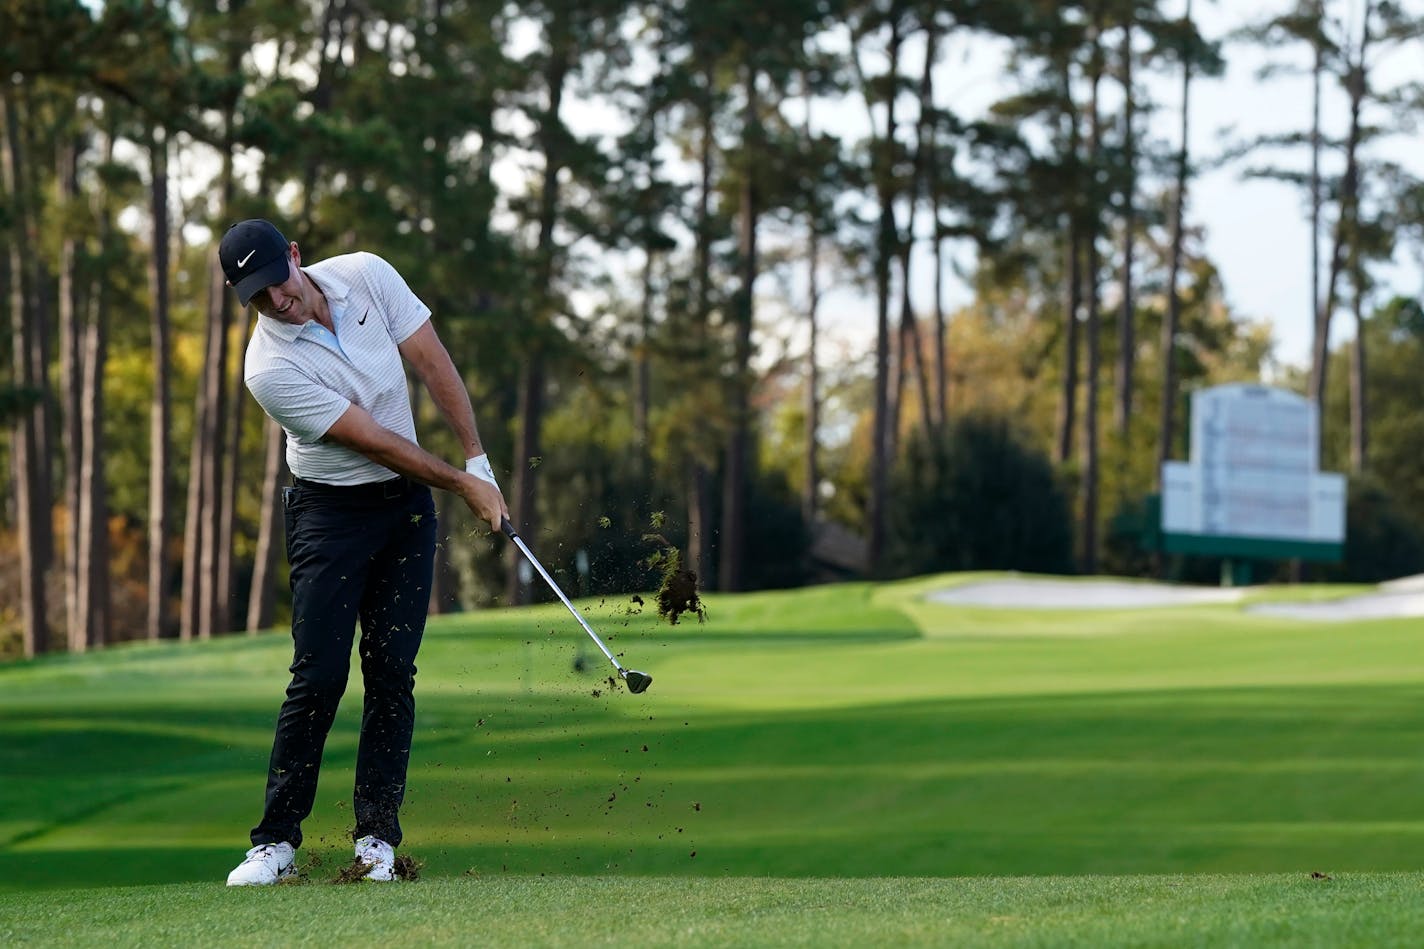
(778, 540)
(976, 497)
(1381, 540)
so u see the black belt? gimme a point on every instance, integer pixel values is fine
(391, 490)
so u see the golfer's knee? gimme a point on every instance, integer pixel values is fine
(319, 685)
(388, 673)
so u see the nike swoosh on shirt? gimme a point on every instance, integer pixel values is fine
(243, 262)
(362, 320)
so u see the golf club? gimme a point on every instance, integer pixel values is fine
(637, 681)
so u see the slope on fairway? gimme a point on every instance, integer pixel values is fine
(850, 731)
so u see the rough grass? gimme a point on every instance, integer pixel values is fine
(855, 733)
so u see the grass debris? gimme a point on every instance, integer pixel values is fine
(677, 593)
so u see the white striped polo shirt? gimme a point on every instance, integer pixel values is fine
(305, 377)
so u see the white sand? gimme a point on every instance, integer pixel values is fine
(1396, 598)
(1382, 605)
(1048, 594)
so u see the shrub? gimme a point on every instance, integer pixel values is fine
(1381, 541)
(976, 497)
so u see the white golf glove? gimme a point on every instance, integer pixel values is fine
(479, 466)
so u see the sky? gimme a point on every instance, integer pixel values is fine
(1257, 232)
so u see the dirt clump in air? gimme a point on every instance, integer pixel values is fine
(677, 593)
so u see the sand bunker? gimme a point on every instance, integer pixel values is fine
(1396, 598)
(1048, 594)
(1385, 604)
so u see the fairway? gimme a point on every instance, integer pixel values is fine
(846, 737)
(1375, 910)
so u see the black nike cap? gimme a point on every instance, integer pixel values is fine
(253, 254)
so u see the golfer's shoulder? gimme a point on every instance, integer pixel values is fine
(362, 278)
(354, 268)
(273, 371)
(270, 352)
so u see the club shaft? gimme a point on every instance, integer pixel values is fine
(534, 561)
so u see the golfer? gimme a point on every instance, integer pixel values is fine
(325, 362)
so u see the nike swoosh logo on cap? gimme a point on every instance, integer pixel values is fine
(243, 262)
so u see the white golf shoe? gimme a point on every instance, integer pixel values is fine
(379, 856)
(265, 864)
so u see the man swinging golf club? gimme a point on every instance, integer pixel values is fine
(325, 362)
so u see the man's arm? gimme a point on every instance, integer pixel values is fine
(436, 370)
(361, 433)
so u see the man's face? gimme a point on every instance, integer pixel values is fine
(287, 301)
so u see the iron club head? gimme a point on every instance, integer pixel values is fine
(637, 681)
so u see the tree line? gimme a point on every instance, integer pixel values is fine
(626, 217)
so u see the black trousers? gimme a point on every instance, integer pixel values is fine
(366, 553)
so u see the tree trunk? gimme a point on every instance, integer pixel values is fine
(699, 526)
(699, 516)
(526, 463)
(92, 623)
(895, 398)
(1167, 428)
(223, 612)
(213, 445)
(941, 362)
(813, 378)
(202, 537)
(910, 343)
(1356, 84)
(91, 626)
(1316, 199)
(1359, 406)
(1068, 400)
(71, 371)
(881, 435)
(917, 178)
(1092, 332)
(1090, 416)
(734, 485)
(261, 599)
(910, 351)
(531, 379)
(221, 306)
(34, 526)
(1126, 335)
(160, 414)
(193, 521)
(642, 368)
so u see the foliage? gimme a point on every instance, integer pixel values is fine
(564, 184)
(16, 402)
(778, 538)
(599, 505)
(978, 497)
(1382, 542)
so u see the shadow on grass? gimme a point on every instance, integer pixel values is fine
(1231, 780)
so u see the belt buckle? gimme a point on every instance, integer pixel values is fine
(391, 490)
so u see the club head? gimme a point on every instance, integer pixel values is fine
(637, 681)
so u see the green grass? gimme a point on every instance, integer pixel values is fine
(1178, 911)
(837, 740)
